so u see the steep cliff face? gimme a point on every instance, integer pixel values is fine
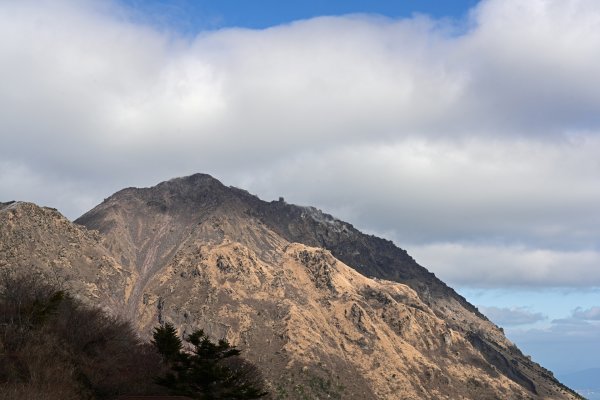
(324, 310)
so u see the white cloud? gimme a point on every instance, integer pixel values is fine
(483, 140)
(477, 265)
(47, 189)
(504, 316)
(421, 191)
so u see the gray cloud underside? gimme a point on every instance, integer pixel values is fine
(503, 316)
(590, 314)
(475, 146)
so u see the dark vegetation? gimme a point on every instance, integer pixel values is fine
(54, 347)
(209, 371)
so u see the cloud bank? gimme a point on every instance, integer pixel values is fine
(590, 314)
(574, 341)
(504, 316)
(474, 144)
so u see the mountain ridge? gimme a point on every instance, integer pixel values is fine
(285, 282)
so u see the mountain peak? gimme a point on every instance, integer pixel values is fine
(24, 208)
(183, 196)
(197, 180)
(6, 205)
(180, 188)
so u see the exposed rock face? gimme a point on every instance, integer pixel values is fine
(42, 239)
(283, 283)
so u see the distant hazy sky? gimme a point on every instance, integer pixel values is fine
(468, 133)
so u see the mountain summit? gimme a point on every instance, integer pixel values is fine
(324, 310)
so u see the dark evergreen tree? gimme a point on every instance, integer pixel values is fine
(167, 342)
(209, 371)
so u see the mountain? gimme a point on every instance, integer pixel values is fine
(324, 310)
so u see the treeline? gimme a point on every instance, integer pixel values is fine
(54, 347)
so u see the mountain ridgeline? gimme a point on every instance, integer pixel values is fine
(322, 309)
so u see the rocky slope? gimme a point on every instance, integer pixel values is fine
(287, 284)
(41, 240)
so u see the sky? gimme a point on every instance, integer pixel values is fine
(466, 132)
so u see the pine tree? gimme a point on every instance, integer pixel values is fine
(167, 342)
(210, 371)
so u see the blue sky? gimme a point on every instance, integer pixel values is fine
(466, 132)
(190, 16)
